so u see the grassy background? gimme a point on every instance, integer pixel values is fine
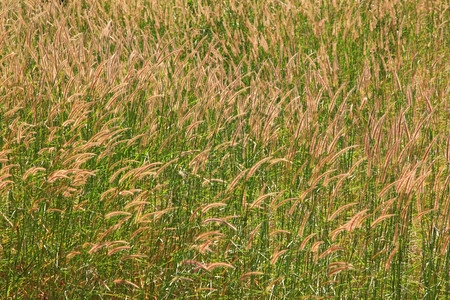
(224, 149)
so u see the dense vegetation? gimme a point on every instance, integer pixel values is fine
(224, 149)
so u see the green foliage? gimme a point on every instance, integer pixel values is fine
(224, 149)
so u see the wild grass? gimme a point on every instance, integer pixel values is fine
(224, 149)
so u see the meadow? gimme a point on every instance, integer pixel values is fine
(236, 149)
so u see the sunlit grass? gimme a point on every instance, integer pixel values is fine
(224, 149)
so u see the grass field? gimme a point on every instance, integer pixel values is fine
(235, 149)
